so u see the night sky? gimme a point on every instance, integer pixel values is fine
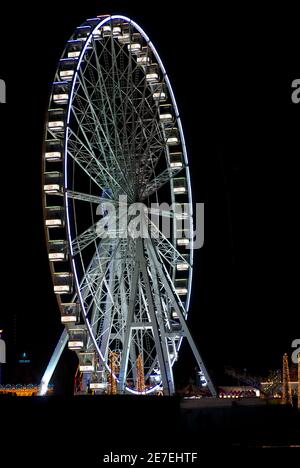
(231, 72)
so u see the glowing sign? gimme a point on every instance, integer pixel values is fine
(24, 359)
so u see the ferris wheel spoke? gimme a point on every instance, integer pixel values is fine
(173, 214)
(107, 294)
(90, 287)
(93, 167)
(139, 121)
(110, 100)
(110, 123)
(84, 239)
(154, 149)
(144, 139)
(119, 108)
(166, 249)
(123, 274)
(98, 270)
(92, 130)
(160, 180)
(82, 153)
(131, 107)
(94, 276)
(87, 197)
(90, 277)
(144, 113)
(96, 126)
(100, 87)
(99, 230)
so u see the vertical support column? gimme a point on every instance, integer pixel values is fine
(161, 324)
(160, 342)
(168, 285)
(53, 362)
(129, 321)
(140, 268)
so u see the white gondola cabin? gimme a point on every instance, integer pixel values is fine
(53, 183)
(77, 337)
(70, 313)
(54, 217)
(63, 283)
(53, 150)
(57, 251)
(172, 136)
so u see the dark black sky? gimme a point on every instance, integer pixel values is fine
(231, 72)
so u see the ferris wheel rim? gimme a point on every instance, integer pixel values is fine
(66, 158)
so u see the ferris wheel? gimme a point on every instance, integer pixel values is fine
(118, 212)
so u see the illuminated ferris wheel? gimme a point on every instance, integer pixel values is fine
(118, 212)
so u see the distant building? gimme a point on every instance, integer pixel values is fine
(272, 387)
(22, 390)
(239, 391)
